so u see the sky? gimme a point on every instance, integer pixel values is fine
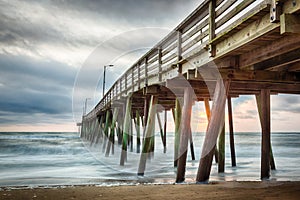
(52, 55)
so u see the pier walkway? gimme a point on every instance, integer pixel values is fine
(223, 49)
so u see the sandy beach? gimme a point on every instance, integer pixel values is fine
(220, 190)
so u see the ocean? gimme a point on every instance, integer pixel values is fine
(54, 159)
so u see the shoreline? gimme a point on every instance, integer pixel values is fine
(212, 190)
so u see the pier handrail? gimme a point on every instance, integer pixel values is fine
(207, 24)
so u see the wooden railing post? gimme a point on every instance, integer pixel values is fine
(146, 71)
(126, 82)
(139, 75)
(159, 64)
(179, 50)
(212, 26)
(132, 79)
(120, 82)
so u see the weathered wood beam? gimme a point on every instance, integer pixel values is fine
(248, 75)
(274, 87)
(291, 6)
(185, 130)
(273, 48)
(293, 67)
(151, 90)
(245, 36)
(277, 61)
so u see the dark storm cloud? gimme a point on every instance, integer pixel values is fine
(33, 86)
(142, 12)
(287, 103)
(33, 22)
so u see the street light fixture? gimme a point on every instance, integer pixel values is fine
(104, 78)
(85, 105)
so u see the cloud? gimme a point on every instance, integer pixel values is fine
(30, 87)
(66, 31)
(287, 103)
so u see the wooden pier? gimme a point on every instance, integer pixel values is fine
(222, 50)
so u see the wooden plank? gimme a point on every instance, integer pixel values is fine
(291, 6)
(194, 17)
(198, 28)
(235, 11)
(246, 75)
(248, 17)
(185, 133)
(274, 48)
(245, 36)
(214, 128)
(194, 41)
(148, 136)
(277, 61)
(225, 6)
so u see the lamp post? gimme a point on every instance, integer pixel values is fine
(104, 78)
(85, 105)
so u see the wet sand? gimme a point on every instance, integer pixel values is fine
(220, 190)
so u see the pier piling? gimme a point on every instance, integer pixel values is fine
(149, 132)
(214, 129)
(185, 131)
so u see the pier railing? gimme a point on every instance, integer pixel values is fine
(210, 23)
